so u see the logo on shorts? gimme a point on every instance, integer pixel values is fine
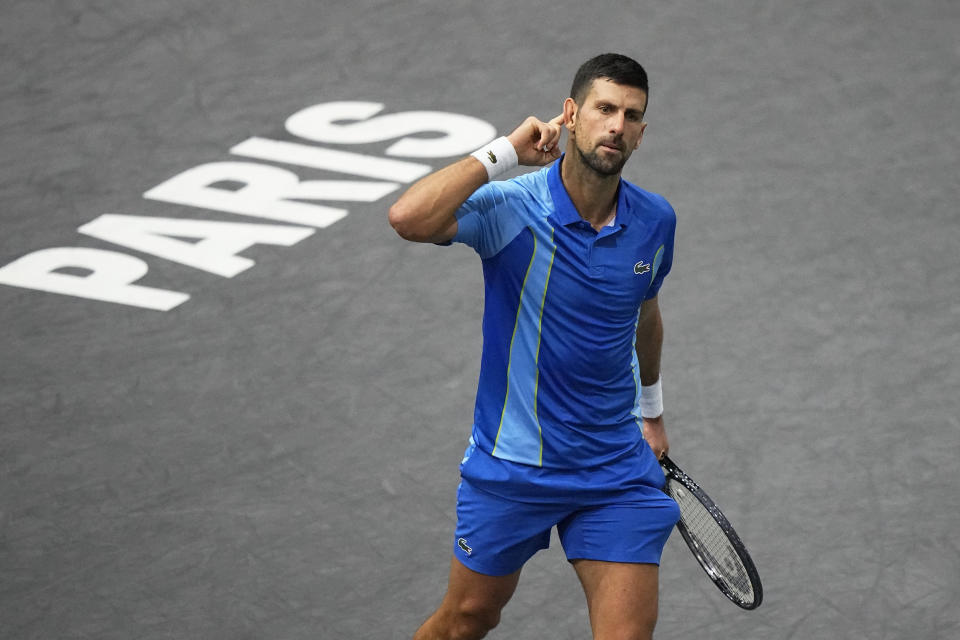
(641, 268)
(462, 543)
(493, 158)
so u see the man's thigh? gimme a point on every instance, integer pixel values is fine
(622, 597)
(468, 589)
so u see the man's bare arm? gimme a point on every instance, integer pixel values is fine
(649, 341)
(426, 211)
(649, 346)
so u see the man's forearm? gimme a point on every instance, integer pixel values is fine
(649, 344)
(425, 213)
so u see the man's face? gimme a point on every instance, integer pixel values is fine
(608, 126)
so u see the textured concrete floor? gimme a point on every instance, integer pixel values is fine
(276, 457)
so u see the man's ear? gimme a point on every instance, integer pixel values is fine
(643, 129)
(569, 113)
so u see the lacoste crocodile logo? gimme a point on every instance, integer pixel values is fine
(462, 543)
(492, 156)
(641, 268)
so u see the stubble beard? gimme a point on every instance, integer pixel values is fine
(602, 166)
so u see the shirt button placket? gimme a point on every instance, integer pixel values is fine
(595, 269)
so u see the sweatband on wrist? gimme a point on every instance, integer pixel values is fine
(651, 400)
(497, 157)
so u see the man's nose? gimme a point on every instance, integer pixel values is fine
(616, 123)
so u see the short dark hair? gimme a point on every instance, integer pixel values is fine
(612, 66)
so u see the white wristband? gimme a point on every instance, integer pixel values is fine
(497, 157)
(651, 400)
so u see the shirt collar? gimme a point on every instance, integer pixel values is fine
(566, 213)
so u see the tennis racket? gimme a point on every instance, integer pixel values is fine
(712, 539)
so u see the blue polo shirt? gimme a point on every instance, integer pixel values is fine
(559, 375)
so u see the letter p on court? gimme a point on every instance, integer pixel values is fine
(109, 278)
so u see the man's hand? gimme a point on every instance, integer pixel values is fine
(656, 436)
(537, 143)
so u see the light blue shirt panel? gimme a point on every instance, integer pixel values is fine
(498, 211)
(519, 436)
(488, 222)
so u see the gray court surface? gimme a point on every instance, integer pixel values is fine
(277, 456)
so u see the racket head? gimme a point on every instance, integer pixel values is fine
(712, 539)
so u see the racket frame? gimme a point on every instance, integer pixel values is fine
(673, 472)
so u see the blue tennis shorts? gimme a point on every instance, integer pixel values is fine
(499, 529)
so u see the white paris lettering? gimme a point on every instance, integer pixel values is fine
(266, 191)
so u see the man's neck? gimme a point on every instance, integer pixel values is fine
(594, 195)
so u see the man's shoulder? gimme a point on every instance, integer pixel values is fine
(648, 203)
(532, 185)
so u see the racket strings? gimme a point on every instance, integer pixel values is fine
(714, 550)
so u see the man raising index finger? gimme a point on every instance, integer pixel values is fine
(568, 423)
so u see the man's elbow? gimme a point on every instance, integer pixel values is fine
(406, 223)
(399, 218)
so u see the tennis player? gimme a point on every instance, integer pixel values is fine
(568, 423)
